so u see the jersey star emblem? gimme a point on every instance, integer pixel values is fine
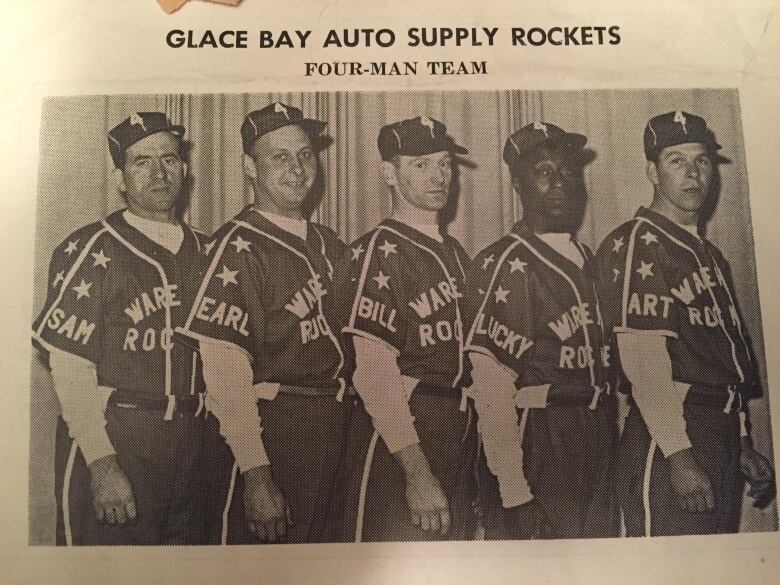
(616, 273)
(618, 244)
(227, 276)
(645, 270)
(240, 244)
(501, 294)
(481, 292)
(388, 248)
(649, 238)
(59, 278)
(82, 290)
(517, 264)
(356, 252)
(488, 261)
(100, 259)
(382, 281)
(207, 248)
(72, 247)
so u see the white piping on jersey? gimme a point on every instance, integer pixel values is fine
(192, 376)
(207, 278)
(627, 273)
(66, 493)
(362, 279)
(228, 500)
(361, 510)
(324, 251)
(313, 273)
(69, 277)
(709, 290)
(449, 279)
(168, 319)
(646, 486)
(460, 264)
(579, 302)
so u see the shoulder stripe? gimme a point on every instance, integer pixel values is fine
(324, 250)
(362, 279)
(627, 273)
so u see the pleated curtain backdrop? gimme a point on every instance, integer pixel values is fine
(76, 186)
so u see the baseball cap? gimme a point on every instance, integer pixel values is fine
(675, 128)
(539, 133)
(136, 127)
(415, 137)
(275, 116)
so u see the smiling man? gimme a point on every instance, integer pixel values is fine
(270, 356)
(398, 291)
(129, 439)
(683, 348)
(547, 416)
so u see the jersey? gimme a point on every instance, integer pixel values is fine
(114, 299)
(656, 276)
(402, 288)
(263, 293)
(537, 313)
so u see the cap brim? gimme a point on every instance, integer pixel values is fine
(175, 129)
(458, 149)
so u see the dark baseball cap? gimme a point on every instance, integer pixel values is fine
(138, 126)
(536, 134)
(415, 137)
(275, 116)
(675, 128)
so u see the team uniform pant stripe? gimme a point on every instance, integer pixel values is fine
(66, 493)
(364, 488)
(646, 486)
(228, 500)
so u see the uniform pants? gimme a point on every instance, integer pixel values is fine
(303, 437)
(376, 507)
(568, 461)
(649, 503)
(162, 461)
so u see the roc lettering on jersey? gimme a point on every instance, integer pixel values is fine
(510, 341)
(441, 331)
(378, 313)
(228, 316)
(145, 304)
(571, 320)
(315, 328)
(435, 298)
(70, 327)
(305, 299)
(149, 340)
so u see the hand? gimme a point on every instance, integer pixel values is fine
(527, 522)
(759, 474)
(112, 495)
(693, 487)
(427, 502)
(264, 506)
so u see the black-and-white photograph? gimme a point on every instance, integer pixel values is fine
(346, 317)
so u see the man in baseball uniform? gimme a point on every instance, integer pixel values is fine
(546, 414)
(683, 349)
(129, 439)
(271, 359)
(398, 292)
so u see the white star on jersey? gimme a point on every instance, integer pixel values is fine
(645, 270)
(356, 252)
(100, 259)
(618, 244)
(227, 276)
(388, 248)
(501, 294)
(82, 290)
(487, 262)
(648, 238)
(207, 248)
(71, 247)
(240, 244)
(517, 264)
(382, 281)
(59, 278)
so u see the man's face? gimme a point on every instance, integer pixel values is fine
(283, 167)
(153, 175)
(552, 189)
(423, 181)
(682, 176)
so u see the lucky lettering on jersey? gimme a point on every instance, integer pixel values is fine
(302, 303)
(504, 338)
(146, 305)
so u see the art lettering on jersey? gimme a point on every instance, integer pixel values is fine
(404, 289)
(115, 298)
(656, 276)
(264, 292)
(536, 312)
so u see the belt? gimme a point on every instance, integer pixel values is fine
(443, 391)
(727, 397)
(189, 403)
(571, 394)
